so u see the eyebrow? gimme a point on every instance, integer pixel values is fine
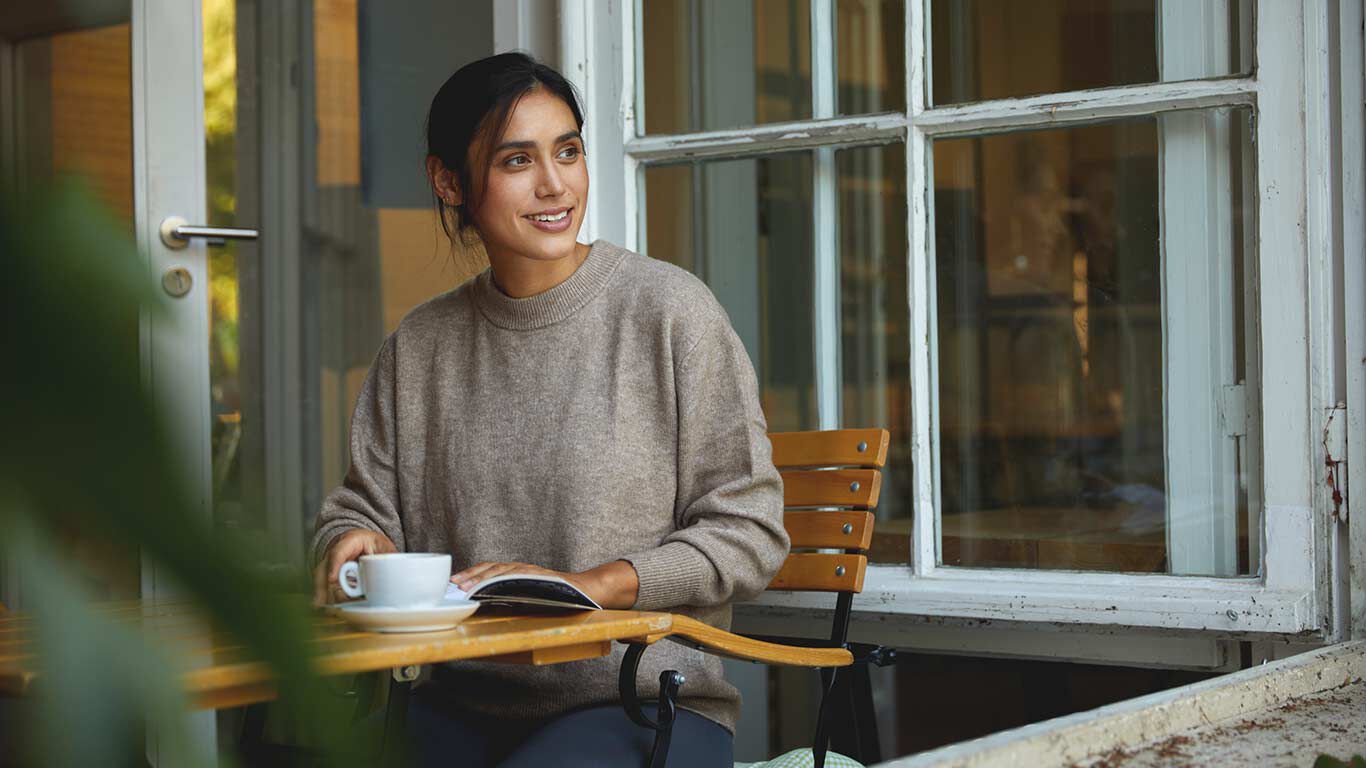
(532, 145)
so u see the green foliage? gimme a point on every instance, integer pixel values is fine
(1326, 761)
(87, 450)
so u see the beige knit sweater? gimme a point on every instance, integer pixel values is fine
(615, 416)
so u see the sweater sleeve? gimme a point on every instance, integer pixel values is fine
(368, 496)
(729, 538)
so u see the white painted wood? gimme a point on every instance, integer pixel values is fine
(1229, 607)
(920, 294)
(825, 222)
(1007, 639)
(1057, 109)
(1324, 243)
(1081, 737)
(168, 180)
(631, 107)
(576, 43)
(1352, 133)
(1197, 229)
(770, 137)
(1319, 295)
(590, 53)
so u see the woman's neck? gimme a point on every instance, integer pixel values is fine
(520, 277)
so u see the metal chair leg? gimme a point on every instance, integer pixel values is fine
(396, 714)
(822, 742)
(667, 710)
(858, 684)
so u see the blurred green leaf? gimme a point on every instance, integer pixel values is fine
(92, 455)
(1326, 761)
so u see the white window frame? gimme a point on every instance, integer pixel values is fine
(1295, 309)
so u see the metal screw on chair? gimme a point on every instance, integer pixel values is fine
(862, 447)
(839, 570)
(853, 487)
(848, 528)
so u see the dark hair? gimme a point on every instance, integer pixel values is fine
(480, 95)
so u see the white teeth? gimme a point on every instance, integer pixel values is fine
(543, 217)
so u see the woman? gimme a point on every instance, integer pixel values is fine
(577, 410)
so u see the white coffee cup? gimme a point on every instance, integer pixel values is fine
(397, 579)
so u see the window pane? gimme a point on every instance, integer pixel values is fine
(1090, 290)
(744, 226)
(712, 64)
(874, 324)
(872, 56)
(992, 49)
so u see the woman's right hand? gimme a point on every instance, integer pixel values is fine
(344, 548)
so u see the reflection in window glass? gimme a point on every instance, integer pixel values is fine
(744, 226)
(993, 49)
(712, 64)
(874, 324)
(871, 47)
(1090, 322)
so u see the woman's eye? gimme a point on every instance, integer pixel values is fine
(569, 152)
(517, 161)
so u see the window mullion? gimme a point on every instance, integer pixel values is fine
(825, 222)
(925, 475)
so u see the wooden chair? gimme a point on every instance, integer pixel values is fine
(831, 483)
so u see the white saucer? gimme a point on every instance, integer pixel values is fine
(442, 616)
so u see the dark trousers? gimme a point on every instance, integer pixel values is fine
(438, 735)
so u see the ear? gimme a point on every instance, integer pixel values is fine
(443, 181)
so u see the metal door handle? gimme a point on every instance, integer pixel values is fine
(176, 233)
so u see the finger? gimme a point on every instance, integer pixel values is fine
(497, 570)
(379, 544)
(344, 552)
(473, 570)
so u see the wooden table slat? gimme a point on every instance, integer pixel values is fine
(221, 673)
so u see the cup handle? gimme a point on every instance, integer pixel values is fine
(350, 571)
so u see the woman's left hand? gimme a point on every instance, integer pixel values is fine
(611, 585)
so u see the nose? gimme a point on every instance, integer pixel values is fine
(550, 184)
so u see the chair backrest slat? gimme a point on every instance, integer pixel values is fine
(815, 572)
(836, 471)
(835, 529)
(830, 448)
(853, 488)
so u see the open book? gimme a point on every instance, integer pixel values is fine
(525, 589)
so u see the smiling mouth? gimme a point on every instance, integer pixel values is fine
(551, 217)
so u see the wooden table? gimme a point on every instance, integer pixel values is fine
(220, 674)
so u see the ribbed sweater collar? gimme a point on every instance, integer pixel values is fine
(554, 305)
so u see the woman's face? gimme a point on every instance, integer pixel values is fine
(537, 185)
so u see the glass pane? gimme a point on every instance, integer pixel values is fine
(993, 49)
(231, 314)
(1089, 326)
(872, 56)
(875, 341)
(711, 64)
(744, 226)
(72, 103)
(326, 160)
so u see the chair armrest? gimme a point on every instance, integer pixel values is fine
(719, 642)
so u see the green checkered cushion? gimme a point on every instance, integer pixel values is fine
(802, 758)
